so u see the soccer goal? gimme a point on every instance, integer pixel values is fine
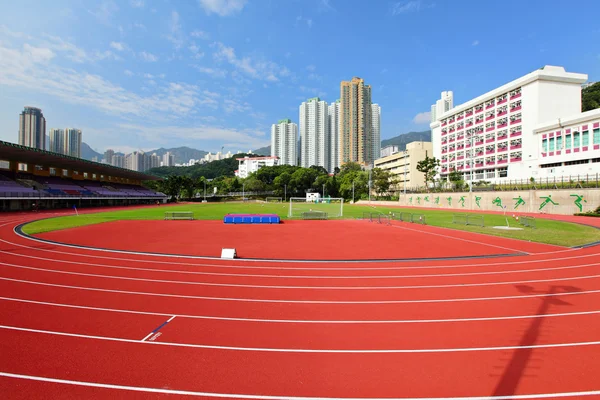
(334, 207)
(274, 199)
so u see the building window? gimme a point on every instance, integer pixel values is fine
(551, 144)
(576, 139)
(568, 142)
(596, 136)
(545, 145)
(558, 142)
(585, 138)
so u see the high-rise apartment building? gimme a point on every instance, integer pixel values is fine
(168, 159)
(314, 133)
(333, 118)
(154, 161)
(108, 156)
(32, 128)
(118, 160)
(376, 131)
(57, 141)
(356, 140)
(284, 141)
(72, 142)
(444, 104)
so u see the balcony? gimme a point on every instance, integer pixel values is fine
(460, 168)
(490, 140)
(478, 111)
(459, 117)
(444, 123)
(515, 109)
(502, 161)
(490, 163)
(479, 165)
(490, 118)
(460, 128)
(584, 148)
(513, 134)
(491, 105)
(452, 140)
(444, 151)
(518, 146)
(460, 158)
(469, 124)
(500, 150)
(500, 137)
(516, 159)
(490, 151)
(502, 101)
(503, 125)
(444, 133)
(501, 113)
(515, 96)
(461, 137)
(490, 129)
(516, 121)
(468, 113)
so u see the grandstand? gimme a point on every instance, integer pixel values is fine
(33, 178)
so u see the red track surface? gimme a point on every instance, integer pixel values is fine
(82, 323)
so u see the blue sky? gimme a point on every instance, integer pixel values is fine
(141, 74)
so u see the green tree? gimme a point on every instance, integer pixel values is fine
(590, 97)
(428, 167)
(382, 181)
(456, 178)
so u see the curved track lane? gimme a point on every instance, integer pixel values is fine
(80, 322)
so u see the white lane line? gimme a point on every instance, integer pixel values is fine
(266, 397)
(171, 271)
(147, 336)
(242, 299)
(300, 321)
(233, 266)
(460, 239)
(325, 351)
(239, 285)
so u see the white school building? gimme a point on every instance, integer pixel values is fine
(248, 165)
(532, 127)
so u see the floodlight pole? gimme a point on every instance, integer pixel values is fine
(405, 154)
(204, 180)
(323, 190)
(352, 192)
(285, 193)
(472, 143)
(243, 191)
(369, 186)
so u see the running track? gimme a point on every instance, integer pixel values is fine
(86, 323)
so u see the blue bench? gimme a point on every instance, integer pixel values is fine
(251, 219)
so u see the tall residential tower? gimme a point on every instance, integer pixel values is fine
(333, 117)
(314, 133)
(284, 141)
(356, 140)
(32, 128)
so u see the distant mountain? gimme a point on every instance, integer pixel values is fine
(263, 151)
(88, 153)
(182, 154)
(402, 140)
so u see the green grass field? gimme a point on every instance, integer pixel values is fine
(547, 231)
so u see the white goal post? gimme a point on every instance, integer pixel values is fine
(334, 207)
(274, 200)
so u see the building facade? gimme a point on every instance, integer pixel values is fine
(356, 144)
(376, 131)
(72, 142)
(57, 141)
(493, 137)
(389, 150)
(403, 166)
(333, 120)
(284, 142)
(168, 159)
(32, 128)
(314, 133)
(108, 156)
(248, 165)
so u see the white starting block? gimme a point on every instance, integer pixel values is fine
(228, 253)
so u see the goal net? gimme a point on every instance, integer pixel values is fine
(334, 207)
(274, 200)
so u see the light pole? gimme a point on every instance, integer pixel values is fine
(369, 186)
(243, 191)
(284, 193)
(352, 192)
(323, 190)
(472, 144)
(204, 180)
(405, 155)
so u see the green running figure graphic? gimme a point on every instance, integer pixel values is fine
(410, 200)
(449, 200)
(427, 199)
(437, 200)
(519, 202)
(477, 200)
(578, 201)
(419, 200)
(462, 201)
(547, 200)
(497, 202)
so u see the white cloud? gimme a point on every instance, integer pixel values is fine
(139, 26)
(119, 46)
(72, 52)
(128, 72)
(175, 35)
(235, 106)
(200, 35)
(148, 57)
(405, 6)
(213, 72)
(311, 67)
(475, 43)
(137, 3)
(222, 7)
(196, 51)
(38, 54)
(422, 118)
(255, 68)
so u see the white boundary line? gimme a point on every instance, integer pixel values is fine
(266, 397)
(242, 299)
(299, 321)
(239, 285)
(323, 351)
(232, 266)
(302, 276)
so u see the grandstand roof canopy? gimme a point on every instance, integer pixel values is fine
(17, 153)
